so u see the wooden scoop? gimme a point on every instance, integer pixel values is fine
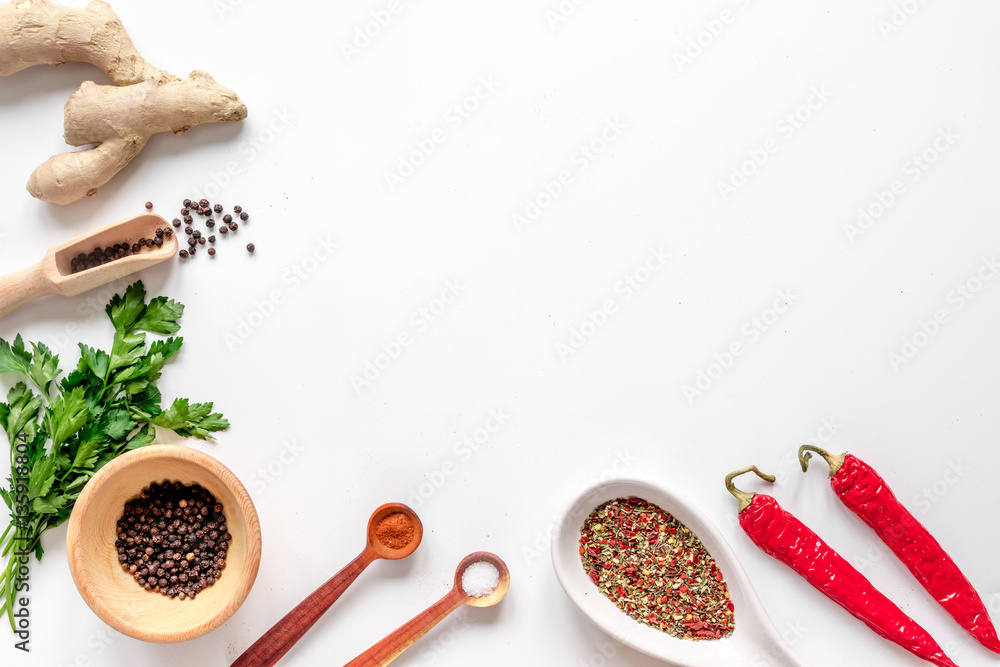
(402, 638)
(267, 650)
(53, 274)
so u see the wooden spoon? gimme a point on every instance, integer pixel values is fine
(267, 650)
(53, 274)
(403, 637)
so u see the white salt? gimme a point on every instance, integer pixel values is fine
(479, 579)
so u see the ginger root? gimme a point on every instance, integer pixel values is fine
(120, 119)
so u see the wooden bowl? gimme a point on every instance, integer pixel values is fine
(112, 593)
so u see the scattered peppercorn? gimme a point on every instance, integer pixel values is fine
(185, 211)
(217, 208)
(188, 219)
(211, 251)
(237, 209)
(211, 239)
(244, 216)
(197, 233)
(168, 232)
(223, 229)
(201, 240)
(187, 202)
(183, 254)
(250, 248)
(172, 539)
(233, 226)
(149, 206)
(204, 203)
(227, 218)
(189, 230)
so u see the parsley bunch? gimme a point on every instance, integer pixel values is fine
(62, 432)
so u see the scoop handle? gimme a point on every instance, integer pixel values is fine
(20, 287)
(400, 639)
(277, 641)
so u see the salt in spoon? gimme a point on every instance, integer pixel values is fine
(403, 637)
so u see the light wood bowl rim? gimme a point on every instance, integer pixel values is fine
(76, 536)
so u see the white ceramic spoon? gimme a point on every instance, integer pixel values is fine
(755, 641)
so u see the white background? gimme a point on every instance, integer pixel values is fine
(614, 405)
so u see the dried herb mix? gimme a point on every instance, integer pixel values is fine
(655, 570)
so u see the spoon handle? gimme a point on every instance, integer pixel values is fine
(389, 648)
(267, 650)
(20, 287)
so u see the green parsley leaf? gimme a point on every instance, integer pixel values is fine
(67, 414)
(125, 310)
(161, 316)
(13, 358)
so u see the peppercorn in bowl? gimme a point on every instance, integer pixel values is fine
(164, 543)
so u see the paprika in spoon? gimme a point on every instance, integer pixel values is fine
(866, 494)
(781, 535)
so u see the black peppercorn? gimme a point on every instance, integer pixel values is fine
(201, 240)
(187, 202)
(217, 208)
(227, 218)
(203, 203)
(189, 229)
(176, 222)
(211, 239)
(197, 233)
(211, 251)
(223, 229)
(237, 209)
(250, 248)
(244, 216)
(149, 206)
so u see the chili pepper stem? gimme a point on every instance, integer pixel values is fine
(743, 497)
(835, 461)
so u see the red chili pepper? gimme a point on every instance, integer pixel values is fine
(866, 494)
(781, 535)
